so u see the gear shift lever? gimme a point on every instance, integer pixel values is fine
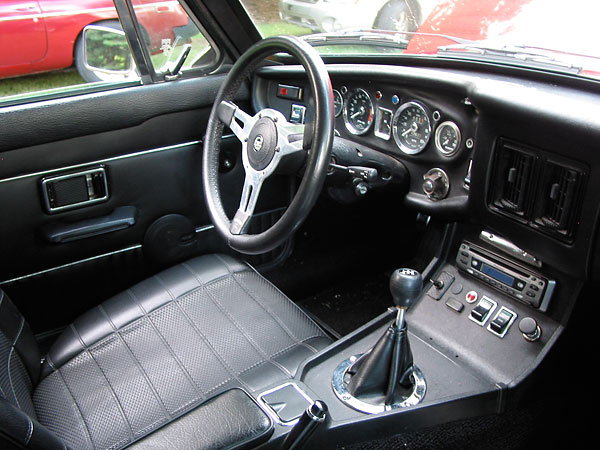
(385, 372)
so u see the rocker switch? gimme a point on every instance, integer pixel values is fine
(483, 310)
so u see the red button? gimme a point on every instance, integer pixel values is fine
(283, 91)
(471, 297)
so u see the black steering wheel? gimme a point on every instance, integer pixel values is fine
(266, 138)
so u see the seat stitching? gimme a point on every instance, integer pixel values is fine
(293, 305)
(253, 295)
(239, 327)
(166, 342)
(77, 408)
(113, 392)
(139, 365)
(276, 318)
(10, 355)
(201, 335)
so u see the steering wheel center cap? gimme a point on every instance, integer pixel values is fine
(262, 143)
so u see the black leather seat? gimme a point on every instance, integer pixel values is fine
(150, 355)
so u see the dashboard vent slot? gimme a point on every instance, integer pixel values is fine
(558, 198)
(514, 176)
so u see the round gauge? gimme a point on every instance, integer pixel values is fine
(358, 113)
(338, 103)
(447, 138)
(411, 128)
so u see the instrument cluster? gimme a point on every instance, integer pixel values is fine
(410, 123)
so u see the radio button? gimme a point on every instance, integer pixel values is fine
(520, 285)
(533, 287)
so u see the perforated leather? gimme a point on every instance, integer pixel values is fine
(158, 350)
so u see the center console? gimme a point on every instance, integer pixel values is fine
(478, 327)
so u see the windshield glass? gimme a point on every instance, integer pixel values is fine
(546, 34)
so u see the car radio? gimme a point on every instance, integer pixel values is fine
(508, 277)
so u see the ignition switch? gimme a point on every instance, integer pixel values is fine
(436, 184)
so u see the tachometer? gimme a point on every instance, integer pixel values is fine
(411, 128)
(358, 113)
(338, 103)
(447, 138)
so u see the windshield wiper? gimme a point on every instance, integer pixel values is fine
(396, 39)
(370, 37)
(530, 56)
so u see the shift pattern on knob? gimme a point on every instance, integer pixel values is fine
(405, 286)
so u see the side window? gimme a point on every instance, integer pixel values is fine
(52, 48)
(173, 41)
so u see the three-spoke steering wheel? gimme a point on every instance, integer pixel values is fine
(267, 138)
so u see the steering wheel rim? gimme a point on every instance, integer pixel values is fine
(276, 143)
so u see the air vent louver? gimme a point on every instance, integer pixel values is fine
(513, 178)
(559, 198)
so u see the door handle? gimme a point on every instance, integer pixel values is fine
(121, 218)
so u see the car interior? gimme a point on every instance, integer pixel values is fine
(270, 256)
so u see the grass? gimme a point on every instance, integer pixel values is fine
(39, 82)
(277, 28)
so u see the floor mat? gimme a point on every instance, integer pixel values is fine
(350, 304)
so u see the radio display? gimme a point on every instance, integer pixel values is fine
(496, 274)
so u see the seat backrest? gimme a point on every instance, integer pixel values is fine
(19, 372)
(19, 357)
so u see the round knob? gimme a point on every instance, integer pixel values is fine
(530, 329)
(405, 285)
(436, 184)
(361, 188)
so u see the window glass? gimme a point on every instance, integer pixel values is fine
(171, 36)
(64, 47)
(549, 35)
(44, 46)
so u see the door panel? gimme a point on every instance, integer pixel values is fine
(148, 140)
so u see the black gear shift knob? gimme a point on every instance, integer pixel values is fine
(405, 285)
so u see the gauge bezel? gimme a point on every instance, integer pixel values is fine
(438, 133)
(338, 94)
(403, 148)
(351, 127)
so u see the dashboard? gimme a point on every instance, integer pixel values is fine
(488, 151)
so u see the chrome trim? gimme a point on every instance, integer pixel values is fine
(271, 412)
(104, 161)
(378, 118)
(510, 322)
(489, 313)
(339, 387)
(133, 247)
(351, 128)
(403, 148)
(438, 132)
(85, 173)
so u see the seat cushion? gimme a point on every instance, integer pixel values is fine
(156, 351)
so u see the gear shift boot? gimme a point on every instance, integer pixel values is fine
(385, 377)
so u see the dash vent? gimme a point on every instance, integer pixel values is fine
(558, 198)
(514, 176)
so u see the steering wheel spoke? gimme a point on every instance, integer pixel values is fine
(252, 184)
(237, 120)
(292, 137)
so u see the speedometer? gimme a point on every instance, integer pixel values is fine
(411, 128)
(358, 113)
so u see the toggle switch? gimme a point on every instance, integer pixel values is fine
(483, 310)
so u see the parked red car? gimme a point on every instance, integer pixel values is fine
(43, 35)
(514, 26)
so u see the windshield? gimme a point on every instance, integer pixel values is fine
(553, 35)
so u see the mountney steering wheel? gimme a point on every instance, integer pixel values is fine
(267, 138)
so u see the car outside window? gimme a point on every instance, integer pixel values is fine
(546, 35)
(56, 48)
